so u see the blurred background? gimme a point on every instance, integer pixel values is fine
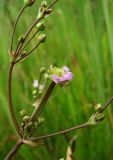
(79, 35)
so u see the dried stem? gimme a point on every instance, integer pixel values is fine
(14, 150)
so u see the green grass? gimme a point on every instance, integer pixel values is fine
(79, 35)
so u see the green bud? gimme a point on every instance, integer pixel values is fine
(98, 107)
(46, 76)
(35, 125)
(22, 124)
(42, 38)
(29, 3)
(48, 11)
(21, 39)
(42, 70)
(29, 126)
(34, 92)
(26, 118)
(100, 117)
(40, 121)
(41, 26)
(44, 4)
(23, 112)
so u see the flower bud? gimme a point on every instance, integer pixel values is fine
(22, 124)
(23, 112)
(98, 107)
(41, 26)
(42, 70)
(44, 4)
(100, 117)
(21, 39)
(46, 76)
(34, 92)
(26, 118)
(35, 125)
(42, 38)
(29, 126)
(40, 121)
(48, 11)
(28, 3)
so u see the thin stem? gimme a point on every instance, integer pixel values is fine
(26, 55)
(106, 104)
(30, 29)
(14, 150)
(52, 4)
(84, 125)
(43, 102)
(18, 17)
(26, 35)
(29, 41)
(10, 99)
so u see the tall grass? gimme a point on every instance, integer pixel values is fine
(79, 35)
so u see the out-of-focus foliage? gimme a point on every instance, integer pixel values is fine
(79, 35)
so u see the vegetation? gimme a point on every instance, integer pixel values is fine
(79, 35)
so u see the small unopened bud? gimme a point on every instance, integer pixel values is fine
(42, 70)
(46, 76)
(34, 92)
(40, 121)
(22, 124)
(29, 3)
(48, 11)
(35, 125)
(29, 126)
(26, 118)
(98, 107)
(23, 113)
(41, 26)
(100, 117)
(42, 38)
(44, 4)
(21, 39)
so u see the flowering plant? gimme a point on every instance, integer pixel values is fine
(61, 76)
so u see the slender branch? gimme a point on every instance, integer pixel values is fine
(29, 41)
(43, 102)
(26, 55)
(26, 35)
(52, 4)
(14, 150)
(106, 104)
(10, 99)
(84, 125)
(31, 28)
(18, 17)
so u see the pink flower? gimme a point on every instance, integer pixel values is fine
(61, 76)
